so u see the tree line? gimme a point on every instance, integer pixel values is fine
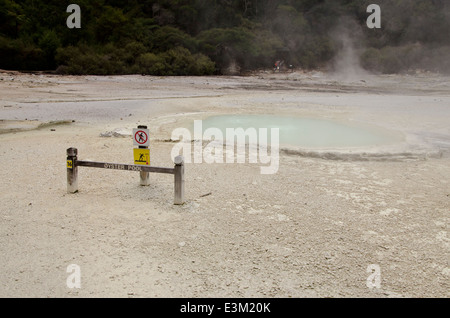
(204, 37)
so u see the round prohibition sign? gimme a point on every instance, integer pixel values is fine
(141, 137)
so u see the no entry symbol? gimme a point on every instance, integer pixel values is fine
(141, 137)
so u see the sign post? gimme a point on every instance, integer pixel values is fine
(142, 154)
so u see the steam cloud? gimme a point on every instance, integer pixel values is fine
(346, 63)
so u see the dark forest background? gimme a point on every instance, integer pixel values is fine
(202, 37)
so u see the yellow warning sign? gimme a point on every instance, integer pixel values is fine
(141, 156)
(69, 164)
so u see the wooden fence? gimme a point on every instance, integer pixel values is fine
(73, 163)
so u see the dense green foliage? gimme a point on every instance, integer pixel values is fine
(199, 37)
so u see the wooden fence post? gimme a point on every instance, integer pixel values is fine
(179, 180)
(72, 170)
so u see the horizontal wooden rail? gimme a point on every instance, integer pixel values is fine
(119, 166)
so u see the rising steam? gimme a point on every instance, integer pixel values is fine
(347, 37)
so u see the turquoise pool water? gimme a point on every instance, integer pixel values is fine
(305, 132)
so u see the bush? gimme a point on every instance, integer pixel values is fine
(371, 60)
(203, 65)
(19, 55)
(230, 46)
(167, 38)
(177, 61)
(151, 64)
(84, 61)
(49, 43)
(410, 57)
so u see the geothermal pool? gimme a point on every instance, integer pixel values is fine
(307, 132)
